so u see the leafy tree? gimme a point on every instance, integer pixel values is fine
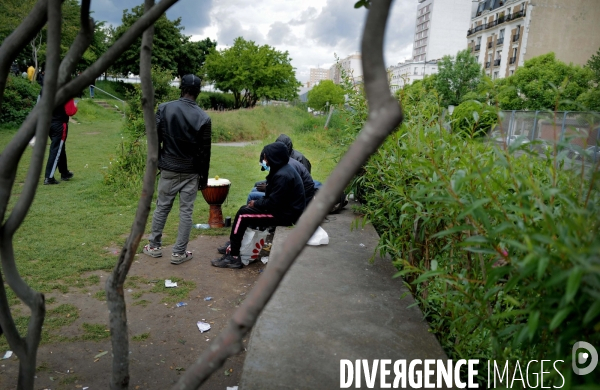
(544, 83)
(324, 92)
(420, 98)
(473, 119)
(251, 72)
(172, 49)
(457, 76)
(594, 64)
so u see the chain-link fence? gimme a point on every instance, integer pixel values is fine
(576, 133)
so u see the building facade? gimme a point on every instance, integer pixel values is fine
(406, 72)
(352, 66)
(505, 33)
(318, 74)
(439, 29)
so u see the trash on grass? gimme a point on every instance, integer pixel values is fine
(179, 304)
(202, 226)
(203, 326)
(7, 355)
(232, 388)
(100, 354)
(362, 245)
(208, 299)
(169, 283)
(264, 259)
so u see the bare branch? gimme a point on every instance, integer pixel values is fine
(114, 284)
(385, 115)
(79, 46)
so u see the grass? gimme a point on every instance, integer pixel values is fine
(141, 337)
(72, 228)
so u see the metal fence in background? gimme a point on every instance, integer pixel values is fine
(574, 131)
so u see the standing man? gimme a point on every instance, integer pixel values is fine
(184, 132)
(59, 128)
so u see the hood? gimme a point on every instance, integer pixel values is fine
(277, 155)
(287, 141)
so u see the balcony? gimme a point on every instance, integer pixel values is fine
(497, 62)
(491, 24)
(477, 48)
(490, 44)
(499, 41)
(516, 38)
(474, 30)
(487, 64)
(512, 60)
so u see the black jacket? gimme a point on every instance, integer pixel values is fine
(307, 180)
(184, 132)
(296, 155)
(284, 196)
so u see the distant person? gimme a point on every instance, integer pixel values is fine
(59, 128)
(40, 78)
(282, 205)
(14, 68)
(30, 73)
(184, 134)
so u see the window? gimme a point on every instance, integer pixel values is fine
(498, 56)
(416, 71)
(514, 52)
(479, 40)
(501, 34)
(496, 75)
(512, 72)
(426, 16)
(421, 11)
(490, 57)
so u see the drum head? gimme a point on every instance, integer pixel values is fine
(218, 182)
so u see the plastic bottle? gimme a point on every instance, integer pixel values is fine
(202, 226)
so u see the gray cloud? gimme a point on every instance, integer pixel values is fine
(195, 15)
(229, 29)
(281, 33)
(305, 16)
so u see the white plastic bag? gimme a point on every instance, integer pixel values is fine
(319, 237)
(252, 243)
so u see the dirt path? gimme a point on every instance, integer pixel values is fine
(164, 339)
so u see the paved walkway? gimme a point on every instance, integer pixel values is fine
(236, 144)
(333, 304)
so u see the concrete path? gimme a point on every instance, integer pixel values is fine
(236, 144)
(334, 304)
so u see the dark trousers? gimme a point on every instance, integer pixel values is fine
(58, 153)
(249, 216)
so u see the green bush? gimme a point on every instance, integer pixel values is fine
(474, 119)
(208, 100)
(500, 248)
(20, 96)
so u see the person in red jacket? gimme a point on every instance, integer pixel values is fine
(59, 127)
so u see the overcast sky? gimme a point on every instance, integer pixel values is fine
(310, 30)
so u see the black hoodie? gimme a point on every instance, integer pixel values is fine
(284, 196)
(296, 155)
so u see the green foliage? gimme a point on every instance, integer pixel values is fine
(472, 119)
(20, 96)
(490, 240)
(544, 83)
(251, 72)
(418, 96)
(126, 171)
(457, 76)
(171, 50)
(594, 64)
(326, 92)
(208, 100)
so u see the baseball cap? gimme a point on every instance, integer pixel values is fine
(190, 80)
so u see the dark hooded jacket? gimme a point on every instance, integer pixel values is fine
(284, 196)
(296, 155)
(307, 180)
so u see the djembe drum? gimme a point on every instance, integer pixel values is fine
(215, 194)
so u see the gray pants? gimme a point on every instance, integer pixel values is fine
(169, 185)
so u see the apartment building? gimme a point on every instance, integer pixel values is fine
(406, 72)
(439, 29)
(318, 74)
(351, 64)
(505, 33)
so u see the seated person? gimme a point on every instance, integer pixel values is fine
(307, 182)
(296, 155)
(259, 187)
(282, 205)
